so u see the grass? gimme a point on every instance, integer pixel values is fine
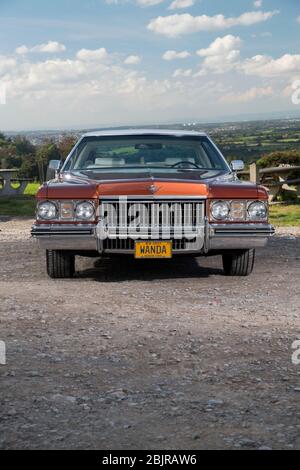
(31, 188)
(283, 215)
(18, 206)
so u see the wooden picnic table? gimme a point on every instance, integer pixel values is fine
(8, 176)
(276, 179)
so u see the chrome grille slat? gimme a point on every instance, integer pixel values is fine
(179, 220)
(171, 214)
(129, 244)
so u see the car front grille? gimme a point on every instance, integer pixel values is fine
(119, 245)
(122, 221)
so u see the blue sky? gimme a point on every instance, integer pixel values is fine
(98, 63)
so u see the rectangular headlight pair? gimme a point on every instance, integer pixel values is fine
(68, 211)
(238, 211)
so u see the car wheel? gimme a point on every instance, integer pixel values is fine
(60, 264)
(239, 263)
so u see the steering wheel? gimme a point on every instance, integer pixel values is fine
(185, 163)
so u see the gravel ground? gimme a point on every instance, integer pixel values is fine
(165, 355)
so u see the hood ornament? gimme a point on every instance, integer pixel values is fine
(153, 189)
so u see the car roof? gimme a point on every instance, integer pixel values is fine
(145, 132)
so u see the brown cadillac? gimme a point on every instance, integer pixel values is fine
(149, 194)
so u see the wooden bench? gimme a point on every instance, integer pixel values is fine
(7, 178)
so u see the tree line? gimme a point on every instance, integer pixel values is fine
(32, 160)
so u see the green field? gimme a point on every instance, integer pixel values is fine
(32, 189)
(282, 215)
(24, 206)
(21, 205)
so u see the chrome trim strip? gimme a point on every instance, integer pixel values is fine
(149, 198)
(60, 234)
(157, 179)
(256, 230)
(63, 230)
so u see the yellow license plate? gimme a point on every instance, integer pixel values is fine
(153, 249)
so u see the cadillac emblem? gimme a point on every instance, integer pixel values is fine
(153, 189)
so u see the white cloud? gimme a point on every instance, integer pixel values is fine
(248, 95)
(172, 55)
(266, 66)
(220, 63)
(176, 4)
(258, 3)
(132, 60)
(221, 55)
(220, 46)
(22, 50)
(177, 24)
(6, 64)
(80, 92)
(182, 73)
(148, 3)
(92, 54)
(50, 47)
(83, 76)
(96, 88)
(298, 19)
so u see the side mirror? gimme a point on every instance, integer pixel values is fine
(237, 165)
(53, 167)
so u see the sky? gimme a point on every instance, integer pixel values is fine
(100, 63)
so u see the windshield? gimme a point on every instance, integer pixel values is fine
(169, 153)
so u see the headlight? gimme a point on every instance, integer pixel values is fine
(47, 210)
(220, 210)
(84, 211)
(257, 211)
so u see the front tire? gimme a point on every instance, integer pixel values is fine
(60, 264)
(240, 263)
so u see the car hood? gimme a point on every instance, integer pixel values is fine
(181, 183)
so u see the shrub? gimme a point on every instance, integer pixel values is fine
(273, 159)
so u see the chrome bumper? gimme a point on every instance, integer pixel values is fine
(65, 237)
(216, 237)
(238, 236)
